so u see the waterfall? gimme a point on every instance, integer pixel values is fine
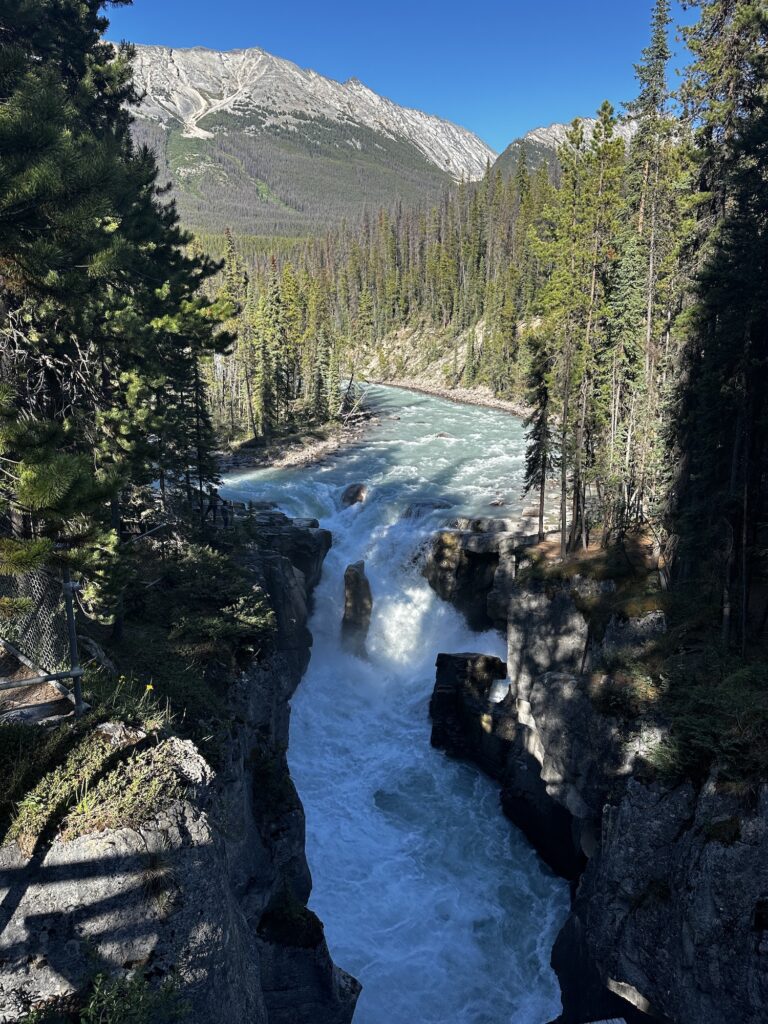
(428, 894)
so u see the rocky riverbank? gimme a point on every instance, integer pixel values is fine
(206, 897)
(303, 448)
(480, 395)
(670, 911)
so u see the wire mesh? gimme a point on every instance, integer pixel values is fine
(40, 631)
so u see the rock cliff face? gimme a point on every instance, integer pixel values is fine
(252, 142)
(213, 891)
(670, 912)
(192, 86)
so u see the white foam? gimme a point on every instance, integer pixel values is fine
(429, 896)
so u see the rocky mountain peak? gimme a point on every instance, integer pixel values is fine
(190, 87)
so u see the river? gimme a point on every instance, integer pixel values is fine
(429, 896)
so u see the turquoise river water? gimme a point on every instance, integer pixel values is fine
(429, 896)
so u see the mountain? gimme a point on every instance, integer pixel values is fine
(541, 144)
(254, 142)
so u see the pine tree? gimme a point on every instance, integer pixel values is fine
(721, 423)
(95, 289)
(541, 444)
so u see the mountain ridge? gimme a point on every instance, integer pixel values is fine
(540, 144)
(193, 83)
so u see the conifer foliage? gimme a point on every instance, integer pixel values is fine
(103, 325)
(621, 296)
(562, 291)
(720, 426)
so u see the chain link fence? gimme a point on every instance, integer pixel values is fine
(40, 630)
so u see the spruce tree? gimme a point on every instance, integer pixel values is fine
(721, 422)
(95, 289)
(541, 441)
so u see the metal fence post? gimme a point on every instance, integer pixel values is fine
(74, 655)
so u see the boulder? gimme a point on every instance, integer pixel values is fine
(462, 687)
(354, 494)
(358, 605)
(298, 540)
(460, 568)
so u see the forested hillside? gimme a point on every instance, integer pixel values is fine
(106, 440)
(541, 145)
(617, 293)
(253, 142)
(625, 303)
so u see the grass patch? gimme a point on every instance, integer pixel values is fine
(718, 713)
(194, 621)
(628, 693)
(40, 807)
(130, 795)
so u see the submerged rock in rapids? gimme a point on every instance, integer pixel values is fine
(353, 495)
(358, 605)
(423, 506)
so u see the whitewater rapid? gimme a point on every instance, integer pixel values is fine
(429, 896)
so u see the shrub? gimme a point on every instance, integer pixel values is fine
(131, 1001)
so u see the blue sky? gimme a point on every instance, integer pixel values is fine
(498, 68)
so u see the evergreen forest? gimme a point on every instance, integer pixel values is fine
(620, 294)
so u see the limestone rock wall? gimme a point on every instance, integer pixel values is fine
(670, 911)
(213, 891)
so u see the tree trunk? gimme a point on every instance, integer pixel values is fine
(563, 456)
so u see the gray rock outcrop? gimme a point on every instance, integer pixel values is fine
(299, 540)
(460, 567)
(473, 563)
(674, 904)
(212, 891)
(670, 913)
(358, 606)
(545, 633)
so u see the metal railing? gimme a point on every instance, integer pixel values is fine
(43, 636)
